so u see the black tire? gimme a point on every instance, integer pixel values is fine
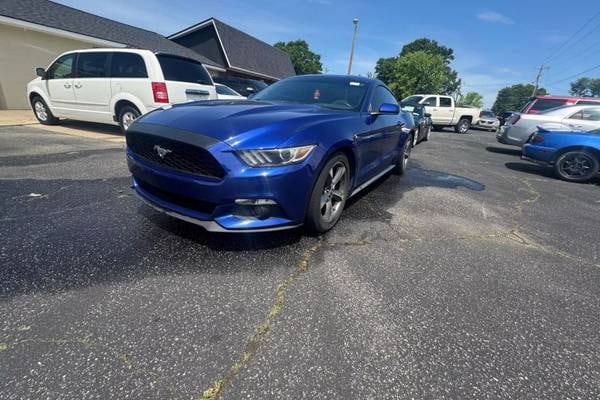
(577, 166)
(125, 115)
(403, 156)
(42, 112)
(463, 126)
(426, 137)
(316, 219)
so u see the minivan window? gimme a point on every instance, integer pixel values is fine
(92, 65)
(62, 68)
(127, 65)
(183, 70)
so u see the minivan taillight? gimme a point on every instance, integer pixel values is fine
(159, 90)
(514, 119)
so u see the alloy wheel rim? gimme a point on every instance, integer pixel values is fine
(406, 155)
(334, 193)
(128, 119)
(40, 111)
(464, 128)
(577, 165)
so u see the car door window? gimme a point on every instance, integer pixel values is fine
(586, 115)
(127, 65)
(62, 68)
(92, 65)
(380, 96)
(445, 102)
(430, 101)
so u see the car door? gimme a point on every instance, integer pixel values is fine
(59, 85)
(378, 146)
(586, 119)
(431, 103)
(92, 87)
(446, 111)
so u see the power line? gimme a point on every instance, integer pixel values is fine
(575, 75)
(562, 46)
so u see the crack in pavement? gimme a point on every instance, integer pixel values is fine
(215, 390)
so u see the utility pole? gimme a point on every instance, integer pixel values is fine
(355, 21)
(537, 79)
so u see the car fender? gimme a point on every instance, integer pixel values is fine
(130, 98)
(35, 89)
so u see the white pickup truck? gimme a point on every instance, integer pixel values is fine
(444, 111)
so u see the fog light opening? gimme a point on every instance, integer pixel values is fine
(256, 208)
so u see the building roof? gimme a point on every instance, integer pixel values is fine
(58, 16)
(246, 53)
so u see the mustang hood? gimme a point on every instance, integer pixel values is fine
(244, 124)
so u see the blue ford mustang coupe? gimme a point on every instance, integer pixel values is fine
(293, 154)
(575, 156)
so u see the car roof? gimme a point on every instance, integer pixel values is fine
(558, 97)
(566, 109)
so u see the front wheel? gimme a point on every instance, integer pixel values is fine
(329, 195)
(402, 161)
(42, 112)
(426, 138)
(462, 126)
(577, 166)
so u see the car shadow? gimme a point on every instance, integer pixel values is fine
(91, 127)
(504, 150)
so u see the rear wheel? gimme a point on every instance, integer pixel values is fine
(462, 126)
(402, 161)
(127, 114)
(329, 195)
(426, 138)
(577, 166)
(42, 112)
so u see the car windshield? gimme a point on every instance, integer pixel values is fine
(224, 90)
(336, 94)
(412, 100)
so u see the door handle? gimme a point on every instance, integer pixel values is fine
(78, 85)
(67, 85)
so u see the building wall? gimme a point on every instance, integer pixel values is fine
(21, 51)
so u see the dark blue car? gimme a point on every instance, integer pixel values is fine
(575, 156)
(294, 154)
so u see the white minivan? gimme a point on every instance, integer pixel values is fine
(115, 85)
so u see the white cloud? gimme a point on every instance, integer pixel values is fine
(494, 17)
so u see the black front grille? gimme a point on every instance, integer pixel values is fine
(176, 199)
(176, 155)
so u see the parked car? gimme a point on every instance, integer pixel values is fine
(245, 87)
(574, 155)
(444, 111)
(488, 121)
(115, 85)
(542, 103)
(422, 122)
(293, 154)
(227, 93)
(504, 117)
(521, 126)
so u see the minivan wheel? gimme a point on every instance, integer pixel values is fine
(462, 126)
(329, 195)
(577, 166)
(42, 112)
(127, 115)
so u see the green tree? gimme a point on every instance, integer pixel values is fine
(304, 60)
(384, 69)
(586, 87)
(513, 98)
(421, 72)
(428, 46)
(472, 99)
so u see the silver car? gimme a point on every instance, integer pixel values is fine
(576, 118)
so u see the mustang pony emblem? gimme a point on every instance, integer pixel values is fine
(161, 151)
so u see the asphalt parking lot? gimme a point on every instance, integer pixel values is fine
(474, 276)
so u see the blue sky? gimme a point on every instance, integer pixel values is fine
(496, 43)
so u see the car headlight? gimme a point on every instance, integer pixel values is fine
(275, 157)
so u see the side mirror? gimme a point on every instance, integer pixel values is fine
(428, 115)
(41, 72)
(387, 109)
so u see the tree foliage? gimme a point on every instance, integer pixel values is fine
(472, 99)
(513, 98)
(423, 66)
(304, 60)
(586, 87)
